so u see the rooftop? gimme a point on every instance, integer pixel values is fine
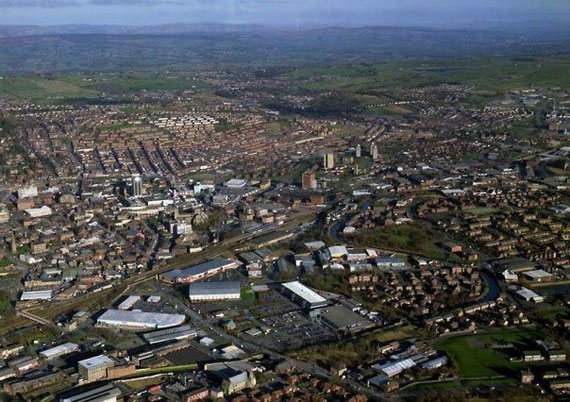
(304, 292)
(140, 318)
(538, 274)
(214, 288)
(95, 361)
(197, 269)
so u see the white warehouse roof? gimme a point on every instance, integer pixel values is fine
(140, 319)
(529, 295)
(36, 295)
(395, 368)
(537, 274)
(338, 251)
(304, 292)
(59, 350)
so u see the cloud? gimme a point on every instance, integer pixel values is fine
(37, 3)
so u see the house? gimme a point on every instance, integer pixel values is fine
(532, 356)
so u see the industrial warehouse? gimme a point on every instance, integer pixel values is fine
(36, 295)
(139, 319)
(171, 334)
(197, 272)
(342, 320)
(129, 303)
(301, 294)
(212, 291)
(60, 350)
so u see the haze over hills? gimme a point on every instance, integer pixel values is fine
(104, 48)
(31, 30)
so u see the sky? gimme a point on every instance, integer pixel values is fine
(428, 13)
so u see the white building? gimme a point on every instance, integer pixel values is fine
(307, 297)
(236, 183)
(36, 295)
(139, 319)
(212, 291)
(27, 192)
(129, 303)
(94, 368)
(39, 212)
(60, 350)
(530, 296)
(137, 186)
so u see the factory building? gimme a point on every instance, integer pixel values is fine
(198, 272)
(212, 291)
(94, 368)
(36, 295)
(104, 393)
(139, 319)
(171, 334)
(301, 294)
(60, 350)
(342, 320)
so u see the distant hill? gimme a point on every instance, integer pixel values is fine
(99, 48)
(35, 30)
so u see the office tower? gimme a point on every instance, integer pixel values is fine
(374, 151)
(137, 186)
(358, 151)
(328, 160)
(309, 180)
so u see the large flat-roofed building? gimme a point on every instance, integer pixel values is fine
(342, 320)
(212, 291)
(60, 350)
(530, 296)
(94, 368)
(36, 295)
(170, 334)
(301, 294)
(538, 275)
(515, 264)
(139, 319)
(105, 393)
(197, 272)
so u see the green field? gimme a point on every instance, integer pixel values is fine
(246, 293)
(552, 312)
(410, 238)
(77, 86)
(353, 351)
(474, 356)
(454, 384)
(40, 88)
(490, 75)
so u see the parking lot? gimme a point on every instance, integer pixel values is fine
(291, 331)
(272, 303)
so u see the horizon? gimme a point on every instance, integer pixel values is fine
(443, 14)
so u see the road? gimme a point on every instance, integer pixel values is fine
(163, 290)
